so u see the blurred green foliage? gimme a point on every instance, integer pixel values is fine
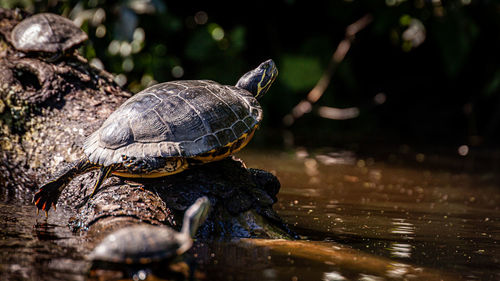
(293, 68)
(435, 63)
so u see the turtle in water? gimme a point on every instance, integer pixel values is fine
(49, 34)
(143, 244)
(167, 128)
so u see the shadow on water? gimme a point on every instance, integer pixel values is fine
(359, 219)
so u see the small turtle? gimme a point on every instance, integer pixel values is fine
(167, 128)
(48, 34)
(146, 243)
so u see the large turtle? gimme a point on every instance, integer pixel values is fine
(48, 34)
(167, 128)
(142, 244)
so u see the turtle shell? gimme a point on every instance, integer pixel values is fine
(140, 244)
(175, 119)
(48, 33)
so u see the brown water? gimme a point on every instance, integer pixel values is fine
(360, 218)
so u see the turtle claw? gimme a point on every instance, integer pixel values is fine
(46, 197)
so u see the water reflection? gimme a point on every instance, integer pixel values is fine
(365, 219)
(311, 170)
(36, 251)
(400, 226)
(337, 158)
(398, 271)
(400, 250)
(367, 277)
(333, 276)
(423, 209)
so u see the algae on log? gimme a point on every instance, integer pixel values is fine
(47, 109)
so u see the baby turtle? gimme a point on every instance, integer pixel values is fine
(47, 33)
(168, 128)
(146, 243)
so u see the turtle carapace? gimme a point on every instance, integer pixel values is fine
(167, 128)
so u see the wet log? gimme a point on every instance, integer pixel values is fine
(47, 109)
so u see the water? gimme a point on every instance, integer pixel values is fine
(31, 249)
(359, 217)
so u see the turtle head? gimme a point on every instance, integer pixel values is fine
(259, 80)
(195, 215)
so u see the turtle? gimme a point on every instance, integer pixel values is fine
(142, 244)
(48, 34)
(168, 128)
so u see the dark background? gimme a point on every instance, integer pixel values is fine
(440, 87)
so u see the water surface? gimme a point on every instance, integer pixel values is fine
(359, 218)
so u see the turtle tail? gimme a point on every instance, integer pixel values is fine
(195, 216)
(48, 194)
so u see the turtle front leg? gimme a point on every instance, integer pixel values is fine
(48, 194)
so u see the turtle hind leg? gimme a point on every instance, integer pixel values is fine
(104, 173)
(143, 165)
(49, 193)
(150, 167)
